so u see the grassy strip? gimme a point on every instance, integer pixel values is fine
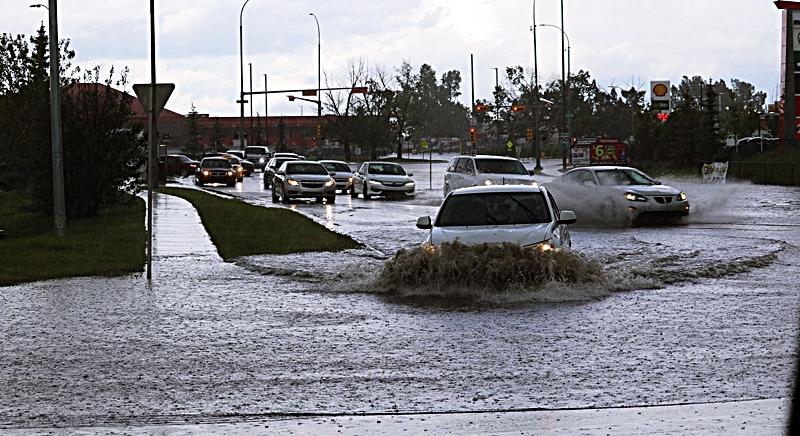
(242, 229)
(112, 243)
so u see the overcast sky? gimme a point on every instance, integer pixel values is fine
(620, 42)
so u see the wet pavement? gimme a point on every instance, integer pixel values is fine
(211, 343)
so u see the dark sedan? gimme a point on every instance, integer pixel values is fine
(215, 170)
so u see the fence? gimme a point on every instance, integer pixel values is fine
(767, 173)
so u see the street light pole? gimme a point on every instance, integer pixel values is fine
(565, 88)
(266, 112)
(563, 93)
(250, 134)
(241, 78)
(537, 142)
(319, 67)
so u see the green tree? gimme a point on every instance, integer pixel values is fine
(192, 145)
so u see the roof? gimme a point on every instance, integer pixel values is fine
(496, 189)
(370, 162)
(486, 156)
(604, 167)
(333, 161)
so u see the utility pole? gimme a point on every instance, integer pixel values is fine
(59, 207)
(537, 146)
(241, 78)
(266, 112)
(564, 91)
(472, 78)
(152, 161)
(250, 98)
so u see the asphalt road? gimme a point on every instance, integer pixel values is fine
(213, 342)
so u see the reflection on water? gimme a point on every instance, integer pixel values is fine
(329, 223)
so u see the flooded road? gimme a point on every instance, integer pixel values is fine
(699, 312)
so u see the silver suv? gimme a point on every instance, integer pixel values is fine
(484, 170)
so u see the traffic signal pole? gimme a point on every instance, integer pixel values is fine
(537, 146)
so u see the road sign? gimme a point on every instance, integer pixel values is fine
(424, 144)
(163, 91)
(563, 139)
(660, 95)
(309, 92)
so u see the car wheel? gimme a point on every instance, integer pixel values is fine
(275, 196)
(446, 189)
(353, 191)
(199, 183)
(240, 179)
(231, 184)
(365, 193)
(331, 199)
(284, 197)
(184, 174)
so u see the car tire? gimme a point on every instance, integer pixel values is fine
(318, 199)
(184, 174)
(365, 193)
(284, 197)
(199, 183)
(446, 189)
(231, 184)
(331, 199)
(241, 179)
(353, 191)
(275, 196)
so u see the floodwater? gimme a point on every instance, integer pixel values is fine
(705, 310)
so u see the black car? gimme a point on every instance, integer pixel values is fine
(215, 170)
(272, 168)
(259, 155)
(236, 159)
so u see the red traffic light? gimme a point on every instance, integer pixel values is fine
(518, 108)
(482, 107)
(662, 116)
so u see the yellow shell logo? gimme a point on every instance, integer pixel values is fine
(660, 90)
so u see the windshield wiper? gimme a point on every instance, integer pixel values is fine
(526, 208)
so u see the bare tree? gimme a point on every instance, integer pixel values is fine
(342, 103)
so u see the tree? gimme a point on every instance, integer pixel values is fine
(192, 133)
(216, 133)
(342, 104)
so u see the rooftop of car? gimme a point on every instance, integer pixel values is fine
(332, 161)
(496, 189)
(371, 162)
(604, 167)
(486, 156)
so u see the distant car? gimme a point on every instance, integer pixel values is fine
(524, 215)
(484, 170)
(180, 165)
(259, 155)
(382, 178)
(639, 194)
(247, 166)
(303, 179)
(272, 168)
(215, 170)
(341, 172)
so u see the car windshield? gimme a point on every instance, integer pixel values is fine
(255, 150)
(305, 168)
(496, 208)
(279, 162)
(233, 160)
(183, 158)
(338, 167)
(500, 166)
(216, 163)
(618, 177)
(388, 169)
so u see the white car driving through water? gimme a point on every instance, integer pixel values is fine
(382, 178)
(524, 215)
(485, 170)
(634, 193)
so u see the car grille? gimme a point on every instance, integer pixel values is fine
(312, 184)
(663, 200)
(394, 183)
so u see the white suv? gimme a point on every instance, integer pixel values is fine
(483, 170)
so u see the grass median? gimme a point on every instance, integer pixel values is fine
(241, 229)
(111, 243)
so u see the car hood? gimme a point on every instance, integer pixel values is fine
(388, 178)
(517, 234)
(309, 177)
(506, 179)
(650, 189)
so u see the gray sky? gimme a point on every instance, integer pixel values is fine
(620, 42)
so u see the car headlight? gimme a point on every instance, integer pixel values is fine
(230, 173)
(630, 196)
(292, 182)
(409, 183)
(682, 196)
(488, 183)
(330, 182)
(543, 246)
(240, 169)
(349, 180)
(261, 160)
(205, 172)
(375, 182)
(534, 184)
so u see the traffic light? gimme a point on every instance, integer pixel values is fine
(473, 134)
(662, 116)
(291, 97)
(482, 107)
(518, 108)
(319, 131)
(529, 134)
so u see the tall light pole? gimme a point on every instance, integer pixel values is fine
(565, 90)
(536, 138)
(59, 207)
(250, 134)
(319, 67)
(564, 93)
(241, 78)
(266, 112)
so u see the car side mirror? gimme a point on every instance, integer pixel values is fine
(657, 182)
(531, 172)
(410, 174)
(567, 217)
(424, 223)
(331, 173)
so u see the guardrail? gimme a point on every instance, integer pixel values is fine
(767, 173)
